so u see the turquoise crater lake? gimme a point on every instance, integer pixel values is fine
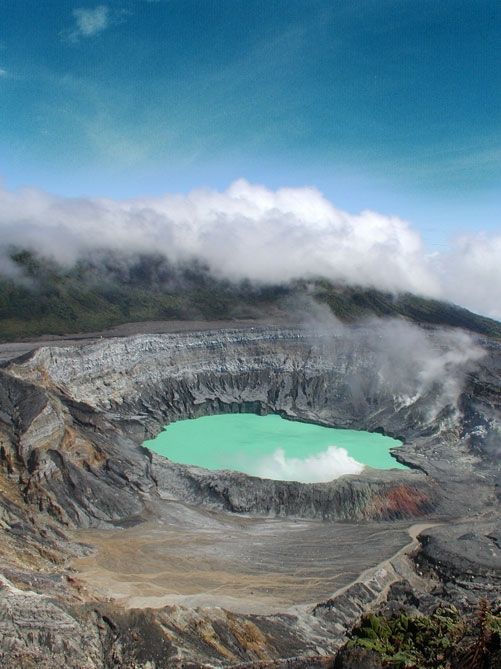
(273, 447)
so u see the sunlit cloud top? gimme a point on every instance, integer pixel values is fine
(251, 232)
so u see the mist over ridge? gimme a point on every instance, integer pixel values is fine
(249, 232)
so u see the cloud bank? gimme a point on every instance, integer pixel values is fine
(251, 232)
(472, 273)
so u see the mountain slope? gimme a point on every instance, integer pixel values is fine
(110, 289)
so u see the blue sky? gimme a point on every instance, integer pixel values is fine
(389, 105)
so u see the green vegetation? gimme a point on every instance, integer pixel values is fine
(442, 640)
(93, 295)
(353, 303)
(110, 289)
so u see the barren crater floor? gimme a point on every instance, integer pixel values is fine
(195, 557)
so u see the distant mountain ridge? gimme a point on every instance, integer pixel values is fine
(111, 289)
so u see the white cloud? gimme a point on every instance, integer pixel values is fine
(89, 22)
(3, 72)
(472, 273)
(249, 231)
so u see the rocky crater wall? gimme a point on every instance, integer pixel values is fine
(77, 446)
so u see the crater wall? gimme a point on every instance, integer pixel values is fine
(101, 400)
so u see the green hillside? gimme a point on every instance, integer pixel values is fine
(110, 289)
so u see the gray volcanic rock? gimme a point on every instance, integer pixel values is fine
(466, 557)
(42, 633)
(376, 495)
(465, 547)
(108, 396)
(72, 421)
(358, 658)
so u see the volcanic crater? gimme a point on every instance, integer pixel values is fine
(155, 562)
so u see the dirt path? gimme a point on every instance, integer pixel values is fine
(413, 531)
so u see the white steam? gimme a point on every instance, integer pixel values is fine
(319, 468)
(249, 231)
(403, 360)
(417, 365)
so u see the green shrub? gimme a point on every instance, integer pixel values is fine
(441, 640)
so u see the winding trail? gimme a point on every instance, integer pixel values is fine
(414, 531)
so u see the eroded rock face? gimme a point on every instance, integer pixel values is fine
(344, 380)
(38, 632)
(467, 558)
(73, 419)
(93, 406)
